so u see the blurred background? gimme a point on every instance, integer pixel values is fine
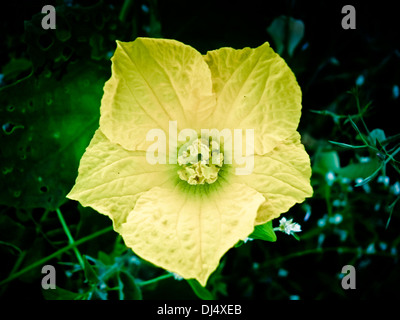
(50, 89)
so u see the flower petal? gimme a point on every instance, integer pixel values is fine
(111, 178)
(255, 90)
(187, 231)
(154, 81)
(282, 176)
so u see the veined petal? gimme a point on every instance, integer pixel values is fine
(282, 176)
(154, 81)
(255, 90)
(111, 178)
(188, 231)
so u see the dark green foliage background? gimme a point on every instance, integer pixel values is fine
(49, 109)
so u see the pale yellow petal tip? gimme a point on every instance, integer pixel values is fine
(178, 231)
(256, 89)
(201, 277)
(154, 82)
(72, 194)
(283, 176)
(267, 46)
(203, 283)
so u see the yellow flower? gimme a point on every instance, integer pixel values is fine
(184, 215)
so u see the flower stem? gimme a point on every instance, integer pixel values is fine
(124, 10)
(55, 254)
(70, 238)
(340, 250)
(145, 283)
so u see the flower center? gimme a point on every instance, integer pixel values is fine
(200, 163)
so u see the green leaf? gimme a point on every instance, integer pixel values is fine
(358, 131)
(104, 258)
(239, 244)
(90, 273)
(335, 117)
(264, 232)
(348, 146)
(36, 252)
(129, 290)
(15, 235)
(296, 236)
(360, 170)
(46, 125)
(370, 177)
(391, 139)
(286, 33)
(377, 136)
(390, 209)
(83, 32)
(200, 291)
(326, 161)
(61, 294)
(15, 67)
